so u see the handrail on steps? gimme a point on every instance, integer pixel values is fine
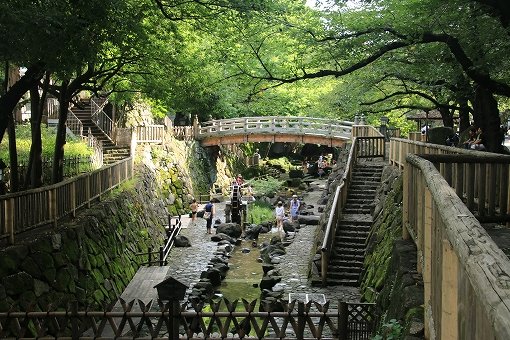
(100, 118)
(336, 211)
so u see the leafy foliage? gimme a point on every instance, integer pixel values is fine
(260, 212)
(266, 186)
(74, 147)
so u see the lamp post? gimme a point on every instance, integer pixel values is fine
(384, 127)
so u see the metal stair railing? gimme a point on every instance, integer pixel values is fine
(100, 118)
(74, 124)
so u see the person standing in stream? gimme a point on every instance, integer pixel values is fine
(208, 216)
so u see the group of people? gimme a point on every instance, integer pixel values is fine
(294, 206)
(209, 212)
(475, 139)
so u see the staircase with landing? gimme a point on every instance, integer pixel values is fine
(111, 152)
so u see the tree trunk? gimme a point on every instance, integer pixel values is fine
(13, 78)
(13, 156)
(447, 117)
(486, 116)
(12, 96)
(34, 170)
(60, 140)
(463, 115)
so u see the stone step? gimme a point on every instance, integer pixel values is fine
(347, 258)
(332, 273)
(343, 239)
(356, 210)
(349, 249)
(342, 282)
(353, 234)
(346, 263)
(358, 203)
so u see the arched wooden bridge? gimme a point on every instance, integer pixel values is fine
(274, 129)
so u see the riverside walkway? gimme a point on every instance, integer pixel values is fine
(187, 263)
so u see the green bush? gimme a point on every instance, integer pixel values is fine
(390, 331)
(259, 212)
(74, 146)
(267, 186)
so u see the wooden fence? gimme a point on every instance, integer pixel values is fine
(150, 134)
(465, 274)
(480, 179)
(225, 320)
(73, 166)
(30, 209)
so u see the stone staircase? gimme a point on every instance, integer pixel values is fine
(346, 262)
(111, 152)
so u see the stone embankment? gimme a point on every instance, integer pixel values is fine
(90, 259)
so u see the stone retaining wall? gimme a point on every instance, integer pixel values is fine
(90, 259)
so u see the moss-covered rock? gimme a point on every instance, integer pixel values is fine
(18, 283)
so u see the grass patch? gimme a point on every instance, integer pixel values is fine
(260, 212)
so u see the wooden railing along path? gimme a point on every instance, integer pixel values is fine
(466, 275)
(30, 209)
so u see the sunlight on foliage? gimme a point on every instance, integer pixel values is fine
(74, 146)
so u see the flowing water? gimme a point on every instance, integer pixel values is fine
(243, 277)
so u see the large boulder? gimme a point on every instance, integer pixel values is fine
(182, 241)
(309, 219)
(231, 229)
(252, 232)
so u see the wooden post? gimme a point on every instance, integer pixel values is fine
(405, 202)
(301, 321)
(150, 256)
(173, 330)
(53, 205)
(9, 219)
(343, 315)
(449, 293)
(161, 256)
(73, 199)
(425, 263)
(481, 189)
(324, 267)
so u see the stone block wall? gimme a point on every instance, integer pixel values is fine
(90, 259)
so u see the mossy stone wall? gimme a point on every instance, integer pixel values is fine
(390, 278)
(90, 259)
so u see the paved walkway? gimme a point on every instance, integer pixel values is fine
(187, 264)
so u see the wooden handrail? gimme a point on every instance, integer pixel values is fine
(100, 118)
(463, 269)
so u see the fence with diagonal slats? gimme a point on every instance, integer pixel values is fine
(223, 320)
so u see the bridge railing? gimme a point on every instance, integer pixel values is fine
(31, 209)
(303, 125)
(465, 274)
